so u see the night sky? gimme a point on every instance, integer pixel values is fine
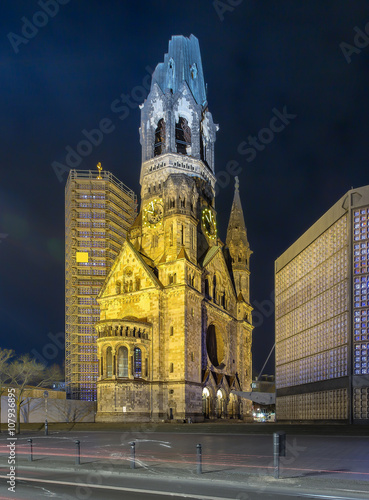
(259, 57)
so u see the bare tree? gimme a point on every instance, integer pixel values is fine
(5, 355)
(73, 411)
(24, 374)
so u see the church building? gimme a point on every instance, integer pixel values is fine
(174, 336)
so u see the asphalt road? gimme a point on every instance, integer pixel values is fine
(234, 466)
(69, 487)
(345, 456)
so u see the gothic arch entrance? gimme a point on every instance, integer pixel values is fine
(233, 406)
(220, 404)
(206, 402)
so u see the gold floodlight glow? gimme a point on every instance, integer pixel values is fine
(99, 168)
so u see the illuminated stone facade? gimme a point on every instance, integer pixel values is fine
(174, 336)
(322, 314)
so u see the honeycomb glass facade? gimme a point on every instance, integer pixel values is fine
(322, 317)
(98, 213)
(360, 239)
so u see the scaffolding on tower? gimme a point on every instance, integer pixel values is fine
(99, 209)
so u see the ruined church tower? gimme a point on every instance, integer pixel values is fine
(174, 337)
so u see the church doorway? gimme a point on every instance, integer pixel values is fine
(206, 402)
(220, 404)
(233, 407)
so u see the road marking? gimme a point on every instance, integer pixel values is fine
(183, 495)
(354, 491)
(331, 497)
(120, 488)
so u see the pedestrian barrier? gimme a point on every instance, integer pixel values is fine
(78, 452)
(30, 457)
(279, 450)
(199, 459)
(133, 455)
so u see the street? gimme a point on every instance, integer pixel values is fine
(67, 488)
(166, 465)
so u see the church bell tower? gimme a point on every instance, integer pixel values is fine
(177, 136)
(175, 324)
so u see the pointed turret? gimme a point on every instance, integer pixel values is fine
(238, 246)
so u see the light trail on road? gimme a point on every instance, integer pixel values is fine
(235, 461)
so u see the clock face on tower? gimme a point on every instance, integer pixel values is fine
(153, 213)
(209, 223)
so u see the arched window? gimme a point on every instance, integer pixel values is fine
(159, 138)
(215, 288)
(206, 402)
(109, 362)
(193, 71)
(171, 68)
(220, 404)
(206, 287)
(183, 136)
(123, 362)
(224, 300)
(215, 346)
(117, 287)
(137, 362)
